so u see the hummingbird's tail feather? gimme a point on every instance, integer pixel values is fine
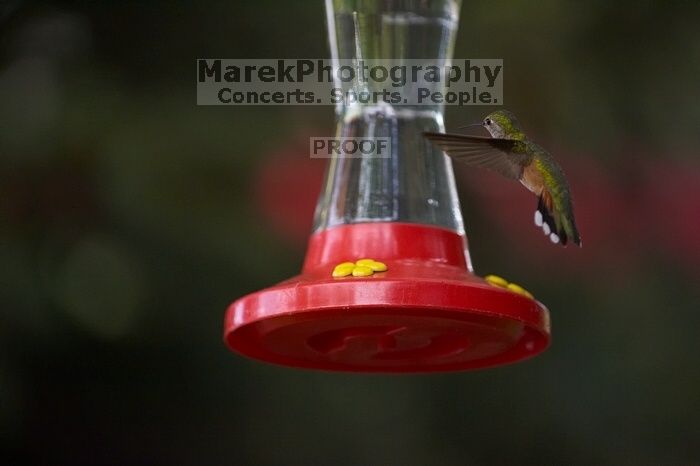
(545, 219)
(554, 225)
(558, 226)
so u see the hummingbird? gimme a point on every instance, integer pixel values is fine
(511, 153)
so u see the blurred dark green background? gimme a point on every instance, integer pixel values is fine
(130, 218)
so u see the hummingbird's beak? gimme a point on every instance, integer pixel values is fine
(471, 126)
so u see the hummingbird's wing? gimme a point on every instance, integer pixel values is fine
(492, 153)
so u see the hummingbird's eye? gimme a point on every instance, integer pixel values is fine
(487, 121)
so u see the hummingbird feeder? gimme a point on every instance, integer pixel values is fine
(387, 284)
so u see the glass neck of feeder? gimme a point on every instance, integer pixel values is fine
(415, 182)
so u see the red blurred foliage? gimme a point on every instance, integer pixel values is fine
(622, 212)
(670, 208)
(287, 187)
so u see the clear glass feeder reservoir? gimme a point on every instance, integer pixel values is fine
(427, 312)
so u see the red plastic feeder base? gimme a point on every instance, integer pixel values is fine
(426, 313)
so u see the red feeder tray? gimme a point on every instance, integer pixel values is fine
(427, 313)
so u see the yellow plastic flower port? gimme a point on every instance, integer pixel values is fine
(362, 271)
(495, 280)
(343, 270)
(501, 282)
(520, 290)
(361, 268)
(376, 266)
